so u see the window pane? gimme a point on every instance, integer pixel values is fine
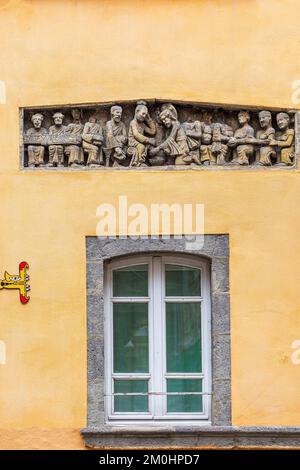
(184, 403)
(182, 281)
(130, 333)
(183, 331)
(131, 281)
(131, 403)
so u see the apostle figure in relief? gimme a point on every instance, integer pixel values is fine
(284, 140)
(265, 152)
(56, 151)
(206, 143)
(222, 133)
(116, 137)
(140, 135)
(92, 140)
(175, 145)
(75, 128)
(193, 132)
(242, 141)
(36, 153)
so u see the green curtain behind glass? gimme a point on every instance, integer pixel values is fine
(184, 403)
(182, 281)
(131, 403)
(131, 281)
(130, 337)
(183, 337)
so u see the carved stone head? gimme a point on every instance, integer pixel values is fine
(243, 117)
(172, 110)
(58, 118)
(116, 113)
(141, 111)
(167, 118)
(283, 120)
(93, 118)
(76, 115)
(265, 119)
(37, 120)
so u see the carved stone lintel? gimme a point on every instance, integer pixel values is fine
(157, 134)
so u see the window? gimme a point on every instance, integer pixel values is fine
(157, 340)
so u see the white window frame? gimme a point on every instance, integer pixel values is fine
(157, 348)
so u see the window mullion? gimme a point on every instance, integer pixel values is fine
(157, 337)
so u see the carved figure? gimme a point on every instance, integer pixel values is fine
(36, 153)
(265, 152)
(206, 142)
(243, 140)
(175, 145)
(284, 140)
(75, 152)
(193, 132)
(140, 135)
(56, 152)
(222, 132)
(92, 139)
(116, 137)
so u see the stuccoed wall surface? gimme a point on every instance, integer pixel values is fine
(93, 52)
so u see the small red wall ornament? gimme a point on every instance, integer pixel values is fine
(18, 281)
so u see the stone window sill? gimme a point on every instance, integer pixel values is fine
(227, 437)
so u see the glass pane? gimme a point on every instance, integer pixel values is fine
(130, 333)
(131, 403)
(183, 331)
(184, 403)
(182, 281)
(131, 281)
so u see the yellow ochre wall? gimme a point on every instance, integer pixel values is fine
(244, 52)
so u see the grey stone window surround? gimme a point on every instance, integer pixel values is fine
(99, 250)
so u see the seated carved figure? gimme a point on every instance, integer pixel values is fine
(116, 137)
(75, 128)
(242, 140)
(219, 150)
(206, 143)
(284, 140)
(36, 153)
(56, 152)
(265, 152)
(140, 135)
(193, 134)
(92, 139)
(175, 145)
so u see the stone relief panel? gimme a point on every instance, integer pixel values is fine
(155, 134)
